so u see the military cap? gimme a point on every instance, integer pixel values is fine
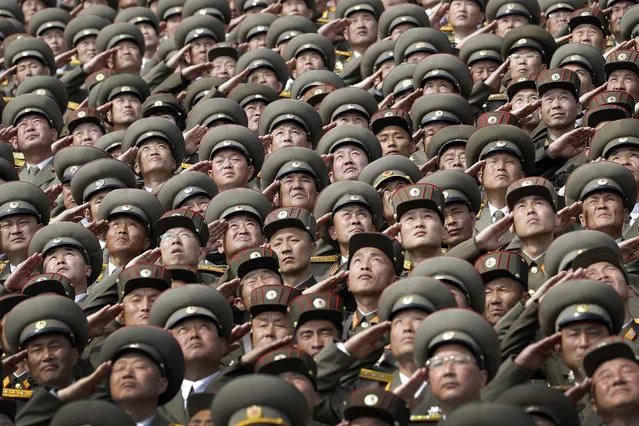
(254, 258)
(195, 27)
(351, 73)
(112, 34)
(185, 273)
(165, 103)
(622, 60)
(94, 412)
(589, 15)
(497, 117)
(197, 402)
(460, 326)
(99, 175)
(629, 25)
(558, 78)
(180, 303)
(605, 350)
(390, 167)
(346, 7)
(93, 83)
(295, 160)
(416, 292)
(417, 195)
(447, 67)
(255, 24)
(48, 86)
(120, 84)
(49, 283)
(541, 400)
(483, 47)
(249, 92)
(31, 103)
(500, 264)
(68, 161)
(10, 301)
(10, 26)
(165, 50)
(345, 100)
(524, 82)
(581, 300)
(292, 110)
(614, 97)
(74, 118)
(399, 80)
(607, 112)
(504, 138)
(373, 401)
(531, 36)
(154, 342)
(134, 202)
(6, 152)
(29, 47)
(219, 9)
(246, 5)
(263, 58)
(531, 186)
(420, 40)
(550, 6)
(238, 201)
(315, 42)
(582, 54)
(142, 276)
(138, 15)
(456, 272)
(293, 360)
(183, 186)
(184, 218)
(342, 193)
(391, 117)
(46, 314)
(11, 9)
(222, 49)
(375, 55)
(8, 171)
(286, 27)
(488, 414)
(390, 247)
(399, 15)
(270, 298)
(614, 135)
(198, 89)
(601, 176)
(24, 198)
(289, 217)
(350, 134)
(44, 20)
(103, 11)
(235, 137)
(167, 8)
(308, 83)
(456, 135)
(155, 128)
(259, 399)
(448, 107)
(527, 8)
(324, 305)
(71, 234)
(456, 187)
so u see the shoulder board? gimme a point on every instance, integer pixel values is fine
(285, 94)
(73, 105)
(75, 61)
(16, 393)
(407, 265)
(18, 159)
(6, 382)
(185, 166)
(324, 259)
(444, 250)
(429, 418)
(7, 98)
(323, 20)
(377, 376)
(636, 320)
(207, 268)
(344, 53)
(631, 334)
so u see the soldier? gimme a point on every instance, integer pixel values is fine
(443, 73)
(79, 412)
(584, 60)
(394, 130)
(349, 105)
(490, 414)
(529, 49)
(31, 57)
(125, 92)
(253, 98)
(622, 72)
(138, 289)
(215, 112)
(266, 67)
(379, 56)
(49, 26)
(375, 406)
(167, 106)
(146, 21)
(50, 283)
(511, 15)
(522, 91)
(86, 126)
(169, 12)
(362, 31)
(311, 52)
(290, 123)
(192, 190)
(223, 57)
(67, 161)
(129, 41)
(81, 34)
(254, 30)
(545, 405)
(201, 32)
(198, 408)
(397, 20)
(416, 44)
(558, 14)
(464, 19)
(269, 317)
(449, 145)
(482, 54)
(590, 26)
(317, 320)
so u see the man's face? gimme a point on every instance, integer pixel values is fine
(370, 272)
(437, 85)
(268, 327)
(197, 203)
(625, 81)
(589, 34)
(126, 235)
(254, 110)
(94, 202)
(172, 22)
(34, 133)
(265, 76)
(254, 279)
(615, 386)
(151, 38)
(180, 246)
(482, 69)
(230, 169)
(502, 294)
(431, 129)
(86, 134)
(137, 305)
(200, 340)
(55, 39)
(126, 109)
(50, 359)
(396, 140)
(627, 156)
(603, 211)
(386, 190)
(610, 274)
(453, 158)
(30, 7)
(308, 60)
(127, 58)
(66, 261)
(288, 134)
(421, 228)
(501, 169)
(298, 190)
(296, 8)
(201, 418)
(313, 335)
(86, 49)
(154, 155)
(400, 29)
(350, 220)
(508, 22)
(135, 378)
(417, 57)
(576, 338)
(257, 41)
(294, 249)
(196, 54)
(403, 327)
(67, 196)
(525, 61)
(348, 163)
(533, 216)
(355, 118)
(557, 20)
(223, 67)
(584, 75)
(617, 12)
(16, 232)
(523, 97)
(303, 384)
(464, 14)
(243, 232)
(362, 31)
(459, 222)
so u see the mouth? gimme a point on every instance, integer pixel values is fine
(454, 231)
(356, 229)
(419, 234)
(450, 385)
(366, 277)
(287, 259)
(50, 367)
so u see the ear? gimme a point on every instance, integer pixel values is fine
(89, 270)
(593, 401)
(136, 168)
(164, 383)
(332, 233)
(109, 116)
(313, 247)
(110, 61)
(187, 56)
(587, 150)
(544, 67)
(279, 86)
(202, 254)
(484, 377)
(480, 175)
(473, 218)
(75, 356)
(522, 175)
(173, 164)
(250, 172)
(14, 143)
(331, 176)
(557, 220)
(15, 80)
(582, 220)
(87, 214)
(413, 148)
(147, 244)
(54, 135)
(239, 304)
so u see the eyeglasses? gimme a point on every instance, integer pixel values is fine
(518, 56)
(181, 236)
(438, 362)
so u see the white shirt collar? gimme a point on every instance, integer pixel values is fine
(344, 259)
(111, 267)
(40, 165)
(12, 267)
(403, 379)
(146, 422)
(635, 212)
(493, 209)
(197, 386)
(80, 296)
(148, 189)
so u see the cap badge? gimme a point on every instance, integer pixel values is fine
(510, 6)
(81, 114)
(585, 13)
(354, 197)
(125, 89)
(406, 83)
(296, 164)
(255, 255)
(492, 120)
(623, 139)
(575, 58)
(420, 45)
(583, 308)
(278, 357)
(388, 114)
(522, 41)
(482, 53)
(199, 31)
(622, 56)
(317, 91)
(191, 309)
(387, 173)
(149, 133)
(611, 99)
(434, 72)
(445, 194)
(188, 190)
(407, 300)
(126, 207)
(226, 143)
(238, 208)
(439, 113)
(271, 294)
(500, 144)
(414, 192)
(157, 103)
(57, 240)
(41, 92)
(521, 79)
(145, 273)
(448, 335)
(40, 325)
(526, 183)
(602, 182)
(554, 77)
(41, 279)
(490, 263)
(73, 169)
(282, 214)
(253, 412)
(290, 116)
(371, 399)
(14, 205)
(319, 303)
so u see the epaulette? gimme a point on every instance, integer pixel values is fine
(324, 259)
(481, 208)
(185, 166)
(376, 376)
(444, 250)
(498, 97)
(631, 334)
(74, 62)
(636, 320)
(323, 20)
(216, 269)
(16, 393)
(18, 159)
(284, 94)
(344, 53)
(7, 98)
(447, 28)
(5, 82)
(407, 265)
(428, 418)
(73, 105)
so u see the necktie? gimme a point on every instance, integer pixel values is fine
(33, 171)
(498, 215)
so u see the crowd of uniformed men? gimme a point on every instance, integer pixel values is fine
(319, 212)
